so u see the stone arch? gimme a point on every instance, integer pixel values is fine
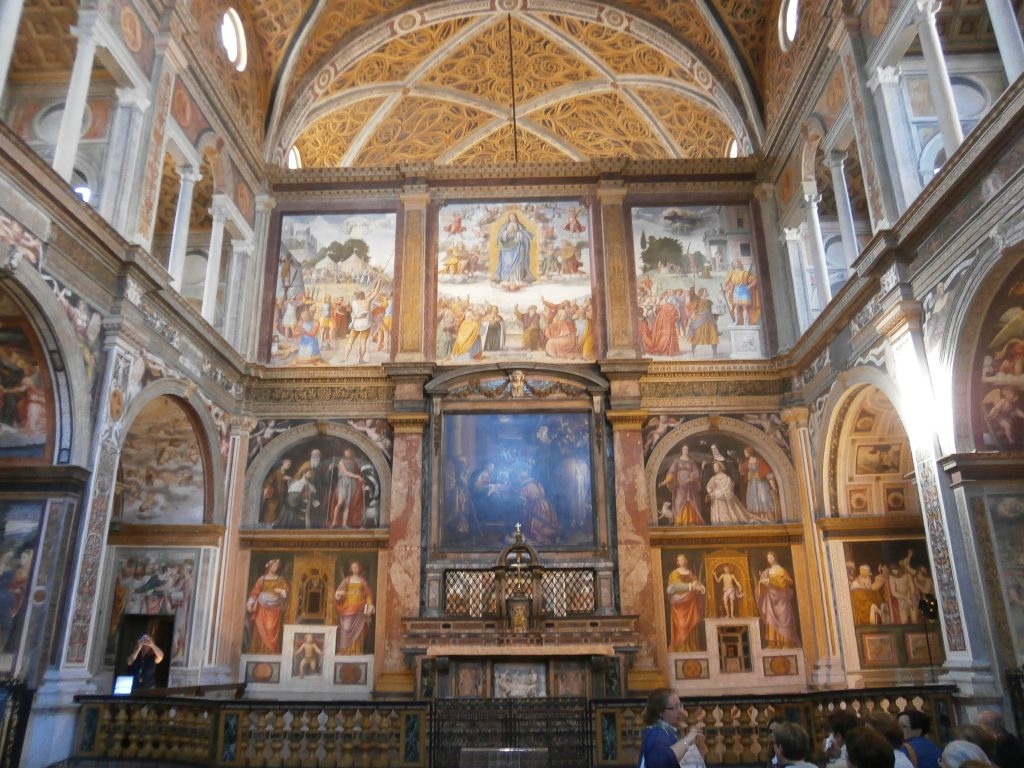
(270, 454)
(834, 411)
(789, 494)
(38, 298)
(207, 437)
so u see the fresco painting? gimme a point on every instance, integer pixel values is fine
(755, 582)
(1007, 516)
(514, 282)
(530, 469)
(323, 482)
(26, 408)
(19, 535)
(310, 589)
(333, 299)
(162, 473)
(152, 582)
(699, 294)
(716, 479)
(1001, 349)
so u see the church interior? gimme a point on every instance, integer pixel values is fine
(393, 364)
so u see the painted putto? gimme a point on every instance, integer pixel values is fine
(698, 290)
(25, 408)
(333, 299)
(1001, 350)
(514, 283)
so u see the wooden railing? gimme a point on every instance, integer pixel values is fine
(303, 733)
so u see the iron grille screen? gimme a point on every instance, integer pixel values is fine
(564, 592)
(568, 592)
(470, 593)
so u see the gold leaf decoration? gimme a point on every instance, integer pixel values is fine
(44, 47)
(602, 125)
(497, 147)
(274, 23)
(419, 129)
(393, 61)
(480, 67)
(747, 21)
(325, 142)
(687, 22)
(699, 132)
(624, 54)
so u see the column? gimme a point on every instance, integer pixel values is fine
(261, 279)
(965, 633)
(885, 83)
(405, 550)
(213, 260)
(1008, 39)
(793, 240)
(939, 87)
(817, 248)
(74, 106)
(10, 15)
(412, 295)
(126, 135)
(781, 286)
(229, 594)
(238, 281)
(619, 300)
(822, 647)
(847, 229)
(182, 215)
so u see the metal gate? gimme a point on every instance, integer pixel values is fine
(562, 726)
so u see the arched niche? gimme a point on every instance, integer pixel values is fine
(45, 310)
(870, 459)
(746, 450)
(170, 440)
(266, 480)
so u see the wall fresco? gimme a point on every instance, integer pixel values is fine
(19, 535)
(26, 408)
(1000, 405)
(1007, 516)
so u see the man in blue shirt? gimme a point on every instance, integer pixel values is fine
(922, 751)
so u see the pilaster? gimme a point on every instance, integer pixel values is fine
(412, 292)
(619, 300)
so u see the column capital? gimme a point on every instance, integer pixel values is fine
(627, 419)
(885, 76)
(415, 196)
(796, 416)
(408, 423)
(85, 30)
(904, 317)
(765, 191)
(265, 203)
(241, 426)
(835, 158)
(811, 200)
(242, 246)
(188, 174)
(219, 211)
(611, 192)
(925, 10)
(132, 97)
(792, 234)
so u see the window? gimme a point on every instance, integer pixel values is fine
(789, 16)
(294, 158)
(80, 185)
(232, 36)
(734, 148)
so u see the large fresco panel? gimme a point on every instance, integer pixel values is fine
(26, 405)
(532, 469)
(19, 535)
(334, 290)
(698, 292)
(1007, 516)
(715, 479)
(161, 472)
(1000, 405)
(323, 482)
(514, 282)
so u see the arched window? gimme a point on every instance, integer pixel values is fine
(232, 36)
(294, 158)
(734, 148)
(789, 17)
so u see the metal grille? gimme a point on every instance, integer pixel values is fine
(562, 726)
(469, 593)
(568, 592)
(518, 584)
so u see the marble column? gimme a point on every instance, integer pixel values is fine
(1008, 39)
(213, 260)
(619, 299)
(239, 279)
(966, 635)
(816, 246)
(10, 15)
(939, 86)
(404, 554)
(226, 632)
(258, 281)
(822, 649)
(847, 229)
(74, 106)
(412, 282)
(785, 303)
(638, 571)
(182, 216)
(793, 239)
(885, 84)
(126, 134)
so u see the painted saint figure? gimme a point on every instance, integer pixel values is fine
(265, 609)
(353, 602)
(513, 253)
(683, 479)
(775, 601)
(740, 289)
(732, 590)
(686, 596)
(347, 501)
(762, 491)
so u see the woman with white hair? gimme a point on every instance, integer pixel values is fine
(959, 752)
